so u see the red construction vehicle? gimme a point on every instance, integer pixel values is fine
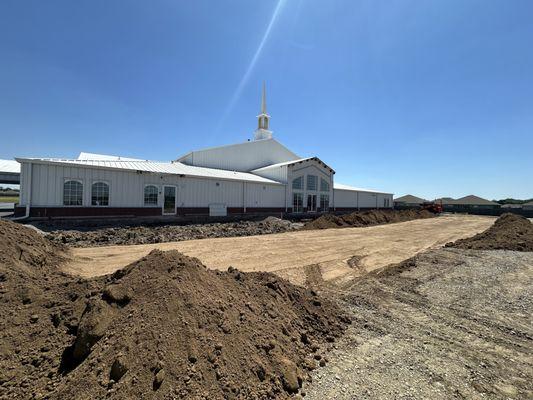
(432, 206)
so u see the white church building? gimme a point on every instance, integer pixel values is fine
(260, 176)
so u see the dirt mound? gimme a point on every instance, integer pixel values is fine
(24, 247)
(509, 232)
(163, 327)
(168, 233)
(366, 218)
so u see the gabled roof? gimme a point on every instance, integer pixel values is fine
(409, 198)
(9, 167)
(340, 186)
(244, 156)
(293, 162)
(172, 168)
(474, 200)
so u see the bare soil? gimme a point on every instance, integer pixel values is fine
(289, 254)
(163, 327)
(509, 232)
(447, 323)
(366, 218)
(87, 236)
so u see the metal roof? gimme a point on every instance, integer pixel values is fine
(409, 198)
(253, 143)
(340, 186)
(94, 156)
(292, 162)
(172, 168)
(9, 166)
(474, 200)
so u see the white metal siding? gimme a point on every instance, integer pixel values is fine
(258, 195)
(354, 199)
(126, 188)
(278, 174)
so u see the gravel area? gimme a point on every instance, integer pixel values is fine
(446, 324)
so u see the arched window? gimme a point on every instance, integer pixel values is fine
(72, 193)
(151, 193)
(100, 194)
(297, 183)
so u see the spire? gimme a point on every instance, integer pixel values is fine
(263, 100)
(263, 120)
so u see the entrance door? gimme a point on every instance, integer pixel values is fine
(311, 202)
(169, 200)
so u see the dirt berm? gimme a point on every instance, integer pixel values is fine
(509, 232)
(163, 327)
(366, 218)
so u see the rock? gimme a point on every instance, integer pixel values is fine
(117, 294)
(289, 375)
(34, 318)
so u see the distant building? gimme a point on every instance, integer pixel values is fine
(468, 203)
(528, 206)
(513, 206)
(408, 201)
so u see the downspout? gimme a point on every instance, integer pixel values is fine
(28, 200)
(357, 200)
(244, 197)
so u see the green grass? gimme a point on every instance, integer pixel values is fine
(9, 199)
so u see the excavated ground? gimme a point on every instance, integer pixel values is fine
(163, 327)
(366, 218)
(448, 323)
(91, 236)
(509, 232)
(126, 235)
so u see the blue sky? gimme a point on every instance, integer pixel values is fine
(433, 98)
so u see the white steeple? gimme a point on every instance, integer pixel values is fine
(263, 120)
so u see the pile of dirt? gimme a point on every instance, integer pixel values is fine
(509, 232)
(366, 218)
(163, 327)
(168, 233)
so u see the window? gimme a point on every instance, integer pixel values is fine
(324, 185)
(72, 193)
(151, 193)
(324, 202)
(312, 182)
(298, 183)
(100, 194)
(297, 202)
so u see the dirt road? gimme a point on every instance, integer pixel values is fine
(453, 324)
(291, 254)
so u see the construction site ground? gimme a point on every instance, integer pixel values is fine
(338, 254)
